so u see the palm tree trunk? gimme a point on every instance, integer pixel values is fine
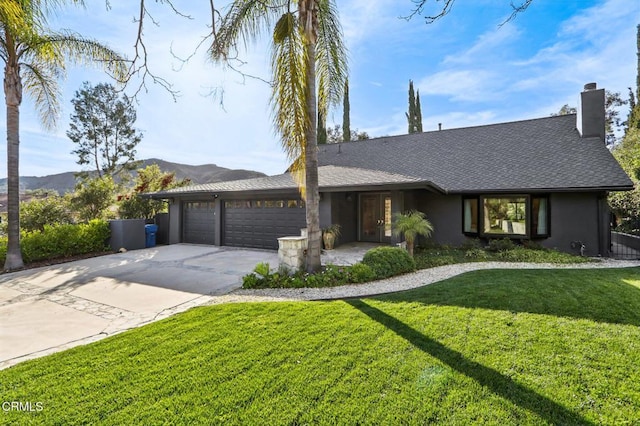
(13, 97)
(308, 18)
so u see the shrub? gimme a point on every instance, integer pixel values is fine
(411, 224)
(361, 273)
(329, 276)
(37, 213)
(532, 245)
(521, 254)
(389, 261)
(476, 254)
(501, 244)
(56, 241)
(471, 243)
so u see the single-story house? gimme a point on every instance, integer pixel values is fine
(544, 179)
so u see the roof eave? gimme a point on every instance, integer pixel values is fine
(543, 190)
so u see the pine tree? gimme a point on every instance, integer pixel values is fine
(346, 120)
(411, 115)
(418, 113)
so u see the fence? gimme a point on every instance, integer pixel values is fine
(625, 246)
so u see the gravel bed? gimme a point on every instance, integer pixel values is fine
(402, 282)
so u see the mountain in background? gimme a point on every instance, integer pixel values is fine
(206, 173)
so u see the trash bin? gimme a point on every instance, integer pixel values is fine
(150, 234)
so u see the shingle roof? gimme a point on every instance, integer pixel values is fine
(539, 154)
(545, 154)
(330, 177)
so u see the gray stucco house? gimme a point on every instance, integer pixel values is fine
(543, 179)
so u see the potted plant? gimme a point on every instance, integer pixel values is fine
(329, 235)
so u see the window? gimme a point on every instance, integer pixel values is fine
(506, 215)
(470, 218)
(539, 217)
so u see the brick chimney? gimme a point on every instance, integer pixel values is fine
(591, 112)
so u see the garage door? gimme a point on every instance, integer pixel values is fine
(259, 222)
(199, 222)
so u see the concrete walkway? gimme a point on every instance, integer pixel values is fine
(49, 309)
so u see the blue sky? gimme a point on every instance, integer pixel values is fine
(469, 72)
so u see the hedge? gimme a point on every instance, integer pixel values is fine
(59, 241)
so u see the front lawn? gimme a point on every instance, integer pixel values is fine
(489, 347)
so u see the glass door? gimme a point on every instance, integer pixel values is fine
(375, 218)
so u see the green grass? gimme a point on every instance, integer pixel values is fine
(491, 347)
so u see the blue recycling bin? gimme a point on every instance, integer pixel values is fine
(150, 232)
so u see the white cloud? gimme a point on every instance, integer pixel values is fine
(459, 85)
(486, 47)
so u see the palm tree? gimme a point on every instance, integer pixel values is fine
(307, 47)
(34, 59)
(411, 224)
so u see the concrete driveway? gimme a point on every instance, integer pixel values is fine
(48, 309)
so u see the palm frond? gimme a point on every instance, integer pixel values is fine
(331, 56)
(40, 83)
(288, 99)
(243, 23)
(58, 47)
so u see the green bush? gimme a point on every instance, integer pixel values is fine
(476, 254)
(389, 261)
(502, 244)
(361, 273)
(37, 213)
(471, 244)
(61, 241)
(329, 276)
(521, 254)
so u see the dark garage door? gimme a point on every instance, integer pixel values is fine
(199, 222)
(259, 223)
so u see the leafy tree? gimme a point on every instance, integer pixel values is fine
(626, 205)
(150, 179)
(633, 120)
(34, 57)
(102, 128)
(335, 134)
(38, 212)
(612, 122)
(612, 101)
(93, 198)
(565, 110)
(346, 111)
(411, 225)
(307, 49)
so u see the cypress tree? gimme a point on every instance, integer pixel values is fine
(411, 115)
(346, 121)
(418, 113)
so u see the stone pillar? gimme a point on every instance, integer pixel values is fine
(292, 252)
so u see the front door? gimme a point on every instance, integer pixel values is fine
(375, 218)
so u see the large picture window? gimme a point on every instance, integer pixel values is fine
(518, 216)
(504, 216)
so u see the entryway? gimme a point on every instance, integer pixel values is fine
(375, 217)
